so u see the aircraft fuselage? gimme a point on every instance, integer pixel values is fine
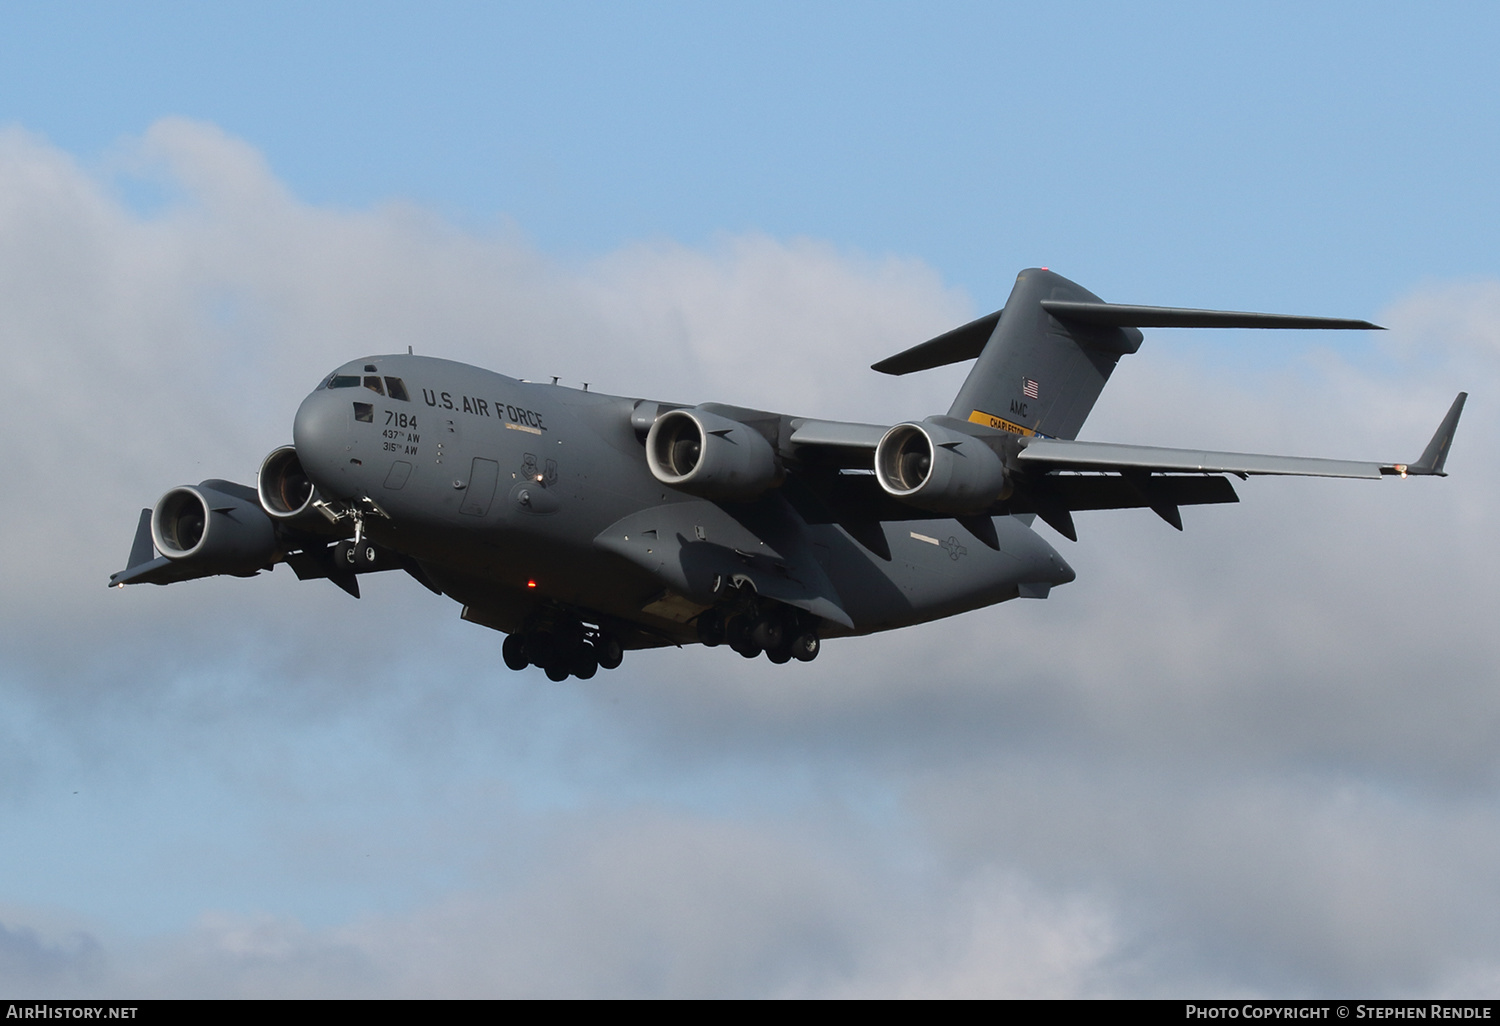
(506, 491)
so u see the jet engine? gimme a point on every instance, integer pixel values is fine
(216, 525)
(282, 485)
(936, 468)
(704, 454)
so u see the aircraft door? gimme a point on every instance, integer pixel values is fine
(483, 476)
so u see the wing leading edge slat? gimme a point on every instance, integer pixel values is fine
(1051, 453)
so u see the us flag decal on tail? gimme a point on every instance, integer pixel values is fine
(1029, 387)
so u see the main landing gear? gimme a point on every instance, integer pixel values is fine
(563, 650)
(781, 633)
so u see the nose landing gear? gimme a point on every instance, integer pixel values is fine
(358, 556)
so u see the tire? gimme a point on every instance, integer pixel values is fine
(747, 648)
(541, 650)
(365, 556)
(343, 554)
(609, 652)
(780, 655)
(513, 651)
(805, 647)
(711, 628)
(557, 674)
(767, 633)
(585, 662)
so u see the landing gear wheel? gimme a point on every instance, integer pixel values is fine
(557, 674)
(780, 654)
(357, 557)
(711, 628)
(585, 662)
(513, 651)
(805, 647)
(738, 632)
(541, 650)
(767, 633)
(609, 652)
(748, 649)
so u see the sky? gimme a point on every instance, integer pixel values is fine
(1254, 758)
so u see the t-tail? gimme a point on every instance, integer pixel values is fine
(1043, 361)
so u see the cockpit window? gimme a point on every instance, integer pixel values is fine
(373, 384)
(396, 388)
(341, 381)
(364, 413)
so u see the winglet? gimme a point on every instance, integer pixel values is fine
(144, 549)
(1436, 453)
(142, 552)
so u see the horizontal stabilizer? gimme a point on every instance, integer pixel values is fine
(968, 341)
(962, 343)
(1119, 315)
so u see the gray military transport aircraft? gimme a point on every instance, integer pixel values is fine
(583, 524)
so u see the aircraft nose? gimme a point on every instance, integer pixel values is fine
(320, 432)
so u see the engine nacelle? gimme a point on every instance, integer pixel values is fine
(214, 527)
(936, 468)
(702, 453)
(283, 487)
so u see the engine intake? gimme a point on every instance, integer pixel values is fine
(704, 454)
(283, 486)
(220, 532)
(936, 468)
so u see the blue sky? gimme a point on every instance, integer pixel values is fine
(1256, 757)
(1160, 147)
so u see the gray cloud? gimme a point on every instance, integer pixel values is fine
(28, 961)
(1254, 757)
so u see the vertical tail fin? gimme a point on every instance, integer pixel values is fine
(1040, 373)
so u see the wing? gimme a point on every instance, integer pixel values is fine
(1054, 477)
(1045, 455)
(312, 547)
(1048, 454)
